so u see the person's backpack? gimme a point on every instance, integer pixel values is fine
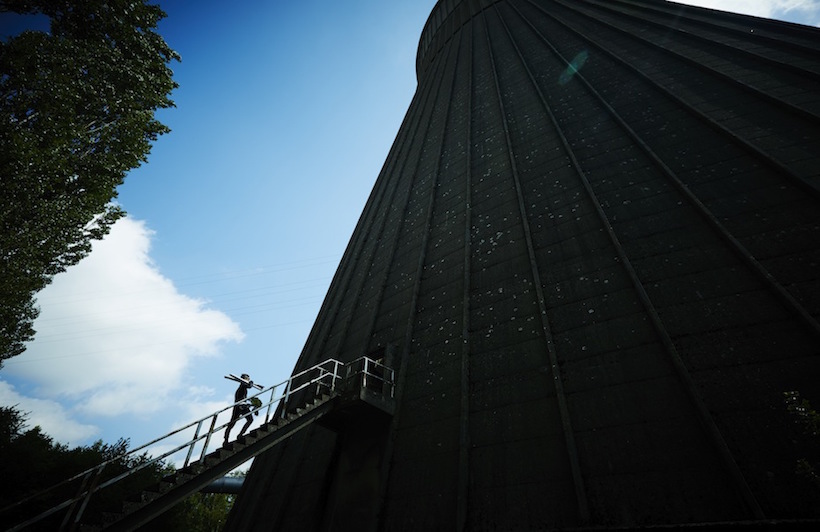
(256, 403)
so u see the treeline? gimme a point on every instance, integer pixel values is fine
(31, 462)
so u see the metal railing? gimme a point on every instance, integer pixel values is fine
(319, 379)
(373, 374)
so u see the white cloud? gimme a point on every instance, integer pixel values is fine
(49, 415)
(762, 8)
(115, 336)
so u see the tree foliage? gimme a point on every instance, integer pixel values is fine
(207, 512)
(77, 109)
(31, 462)
(808, 419)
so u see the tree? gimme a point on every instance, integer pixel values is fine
(31, 462)
(207, 512)
(77, 109)
(809, 421)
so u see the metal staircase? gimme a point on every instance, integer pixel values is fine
(330, 391)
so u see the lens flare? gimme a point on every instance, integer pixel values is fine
(574, 66)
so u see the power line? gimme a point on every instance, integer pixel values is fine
(18, 360)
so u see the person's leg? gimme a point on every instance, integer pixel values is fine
(234, 417)
(248, 421)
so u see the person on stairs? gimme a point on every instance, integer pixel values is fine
(240, 409)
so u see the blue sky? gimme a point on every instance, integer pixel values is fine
(285, 114)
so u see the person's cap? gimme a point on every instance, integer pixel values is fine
(246, 377)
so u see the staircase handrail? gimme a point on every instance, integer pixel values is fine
(334, 373)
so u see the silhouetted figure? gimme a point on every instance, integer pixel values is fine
(240, 410)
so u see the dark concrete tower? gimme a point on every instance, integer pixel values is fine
(593, 257)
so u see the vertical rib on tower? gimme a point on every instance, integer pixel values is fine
(592, 255)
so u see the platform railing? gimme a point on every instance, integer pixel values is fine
(373, 375)
(322, 378)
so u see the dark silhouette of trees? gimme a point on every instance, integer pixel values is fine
(808, 420)
(207, 512)
(77, 109)
(31, 462)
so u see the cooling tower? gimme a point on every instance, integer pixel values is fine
(591, 258)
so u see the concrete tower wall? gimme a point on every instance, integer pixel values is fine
(592, 255)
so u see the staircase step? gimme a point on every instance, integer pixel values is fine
(149, 495)
(181, 478)
(130, 506)
(221, 453)
(210, 455)
(192, 470)
(109, 518)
